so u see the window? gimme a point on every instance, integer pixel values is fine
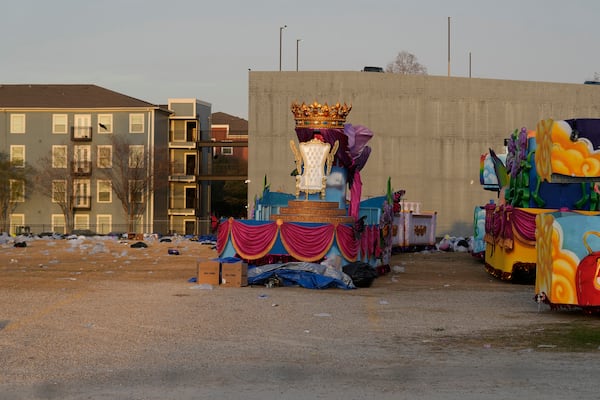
(58, 223)
(104, 191)
(82, 162)
(59, 156)
(59, 191)
(17, 123)
(227, 151)
(59, 123)
(16, 222)
(82, 221)
(82, 128)
(105, 123)
(104, 156)
(81, 189)
(190, 197)
(178, 130)
(136, 156)
(136, 123)
(17, 155)
(103, 223)
(17, 191)
(136, 191)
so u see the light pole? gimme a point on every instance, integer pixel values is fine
(297, 44)
(281, 28)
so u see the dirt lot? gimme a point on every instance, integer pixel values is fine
(97, 319)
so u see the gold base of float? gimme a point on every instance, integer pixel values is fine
(325, 212)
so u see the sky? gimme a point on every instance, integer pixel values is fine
(154, 50)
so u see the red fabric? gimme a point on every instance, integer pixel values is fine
(347, 244)
(372, 239)
(305, 243)
(309, 243)
(524, 224)
(364, 243)
(502, 221)
(355, 194)
(377, 242)
(223, 235)
(253, 241)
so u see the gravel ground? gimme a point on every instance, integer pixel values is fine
(96, 319)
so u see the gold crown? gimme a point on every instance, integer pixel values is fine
(320, 116)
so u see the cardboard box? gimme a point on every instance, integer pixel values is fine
(234, 274)
(208, 272)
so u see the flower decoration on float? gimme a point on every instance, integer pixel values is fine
(320, 116)
(397, 199)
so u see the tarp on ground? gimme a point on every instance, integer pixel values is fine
(304, 274)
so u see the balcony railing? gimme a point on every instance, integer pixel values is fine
(178, 172)
(81, 168)
(81, 133)
(183, 139)
(182, 211)
(82, 202)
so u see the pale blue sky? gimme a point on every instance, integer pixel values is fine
(159, 49)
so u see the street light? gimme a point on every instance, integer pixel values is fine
(281, 28)
(297, 44)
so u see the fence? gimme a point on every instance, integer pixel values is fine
(203, 227)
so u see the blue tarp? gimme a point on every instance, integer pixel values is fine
(304, 274)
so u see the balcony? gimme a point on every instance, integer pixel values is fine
(81, 168)
(182, 211)
(180, 139)
(82, 202)
(179, 173)
(81, 133)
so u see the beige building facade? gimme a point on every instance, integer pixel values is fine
(429, 131)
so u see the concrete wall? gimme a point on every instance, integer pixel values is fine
(429, 130)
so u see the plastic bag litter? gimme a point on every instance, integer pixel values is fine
(202, 286)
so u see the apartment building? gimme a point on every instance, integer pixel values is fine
(189, 204)
(228, 173)
(105, 162)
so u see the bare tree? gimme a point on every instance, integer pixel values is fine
(134, 177)
(14, 176)
(407, 64)
(54, 180)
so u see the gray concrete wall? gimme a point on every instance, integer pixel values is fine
(429, 130)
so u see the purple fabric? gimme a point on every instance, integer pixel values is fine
(500, 222)
(524, 224)
(343, 158)
(358, 136)
(361, 160)
(352, 154)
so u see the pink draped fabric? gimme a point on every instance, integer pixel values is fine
(373, 238)
(309, 243)
(502, 223)
(305, 243)
(347, 244)
(223, 235)
(355, 193)
(253, 241)
(377, 242)
(364, 243)
(524, 224)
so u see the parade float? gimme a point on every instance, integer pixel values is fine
(544, 228)
(543, 172)
(316, 224)
(568, 240)
(411, 228)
